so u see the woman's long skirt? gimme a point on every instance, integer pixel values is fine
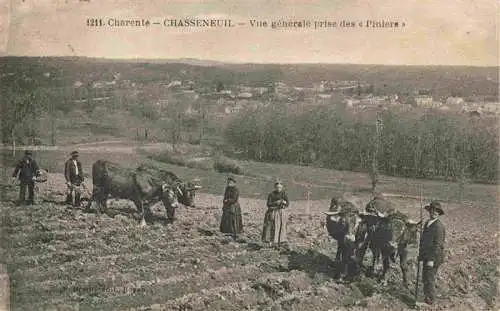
(231, 221)
(275, 226)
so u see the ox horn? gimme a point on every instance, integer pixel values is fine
(193, 187)
(412, 222)
(179, 190)
(195, 182)
(331, 213)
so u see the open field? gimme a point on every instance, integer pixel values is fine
(258, 177)
(59, 259)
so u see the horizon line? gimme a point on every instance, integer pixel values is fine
(185, 59)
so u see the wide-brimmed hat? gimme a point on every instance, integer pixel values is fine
(435, 205)
(74, 153)
(28, 152)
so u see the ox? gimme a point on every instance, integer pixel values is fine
(376, 209)
(342, 225)
(145, 185)
(388, 236)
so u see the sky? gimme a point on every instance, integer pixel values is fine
(446, 32)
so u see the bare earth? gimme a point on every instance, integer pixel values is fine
(60, 259)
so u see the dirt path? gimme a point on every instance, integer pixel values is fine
(101, 146)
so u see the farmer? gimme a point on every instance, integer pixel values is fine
(431, 251)
(28, 170)
(231, 222)
(274, 231)
(73, 173)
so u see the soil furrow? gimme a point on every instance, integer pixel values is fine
(76, 240)
(159, 293)
(177, 285)
(197, 300)
(127, 263)
(238, 295)
(102, 251)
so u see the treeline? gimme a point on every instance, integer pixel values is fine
(435, 145)
(442, 81)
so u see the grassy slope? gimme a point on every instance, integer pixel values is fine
(257, 182)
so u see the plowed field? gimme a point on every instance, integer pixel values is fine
(62, 259)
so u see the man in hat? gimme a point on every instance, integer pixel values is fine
(74, 178)
(231, 222)
(431, 250)
(28, 170)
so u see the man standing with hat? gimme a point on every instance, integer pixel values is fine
(74, 179)
(28, 170)
(231, 222)
(431, 250)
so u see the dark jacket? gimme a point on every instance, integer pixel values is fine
(231, 196)
(70, 172)
(27, 168)
(432, 243)
(275, 196)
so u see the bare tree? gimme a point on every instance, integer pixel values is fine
(202, 120)
(374, 174)
(18, 105)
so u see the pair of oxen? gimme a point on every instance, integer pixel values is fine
(379, 227)
(145, 185)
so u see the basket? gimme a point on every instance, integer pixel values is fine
(42, 177)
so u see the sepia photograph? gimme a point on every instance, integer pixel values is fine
(287, 155)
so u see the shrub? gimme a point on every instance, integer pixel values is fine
(176, 158)
(171, 158)
(226, 165)
(205, 165)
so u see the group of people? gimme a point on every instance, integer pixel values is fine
(27, 171)
(432, 239)
(274, 231)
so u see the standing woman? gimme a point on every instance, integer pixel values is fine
(274, 231)
(231, 222)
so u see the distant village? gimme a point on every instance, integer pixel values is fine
(224, 101)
